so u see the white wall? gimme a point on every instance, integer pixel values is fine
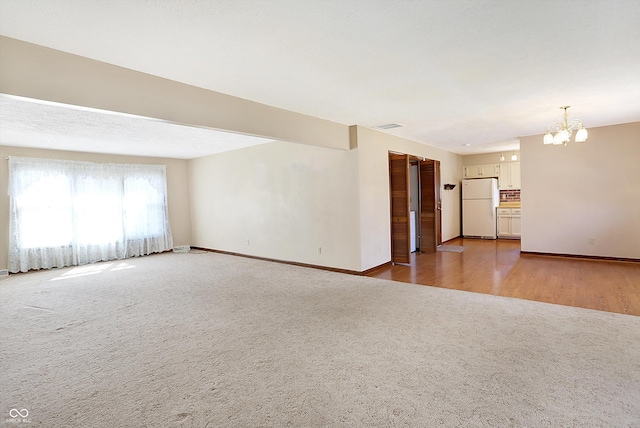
(280, 201)
(177, 188)
(586, 191)
(375, 217)
(283, 201)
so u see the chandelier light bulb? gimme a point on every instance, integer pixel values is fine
(582, 135)
(548, 138)
(564, 136)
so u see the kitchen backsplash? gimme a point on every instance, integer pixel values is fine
(510, 195)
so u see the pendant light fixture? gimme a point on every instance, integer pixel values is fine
(513, 156)
(501, 156)
(564, 130)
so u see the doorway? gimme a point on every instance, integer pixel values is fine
(416, 225)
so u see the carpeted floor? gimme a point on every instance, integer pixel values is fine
(210, 340)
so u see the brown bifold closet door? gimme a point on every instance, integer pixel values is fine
(430, 206)
(438, 203)
(400, 226)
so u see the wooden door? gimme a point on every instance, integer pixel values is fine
(436, 179)
(400, 227)
(429, 205)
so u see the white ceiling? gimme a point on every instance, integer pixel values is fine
(26, 123)
(453, 72)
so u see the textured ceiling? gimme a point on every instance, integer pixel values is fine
(51, 125)
(453, 72)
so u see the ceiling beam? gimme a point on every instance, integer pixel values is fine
(37, 72)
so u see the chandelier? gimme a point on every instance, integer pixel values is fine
(564, 130)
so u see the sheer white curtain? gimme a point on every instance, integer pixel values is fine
(72, 213)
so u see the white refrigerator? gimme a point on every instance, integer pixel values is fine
(480, 197)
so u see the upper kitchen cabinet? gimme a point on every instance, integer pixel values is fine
(509, 176)
(481, 171)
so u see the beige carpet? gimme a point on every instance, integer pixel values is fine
(209, 340)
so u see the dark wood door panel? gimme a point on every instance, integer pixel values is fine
(400, 228)
(428, 206)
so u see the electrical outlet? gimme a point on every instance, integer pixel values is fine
(592, 241)
(248, 242)
(319, 250)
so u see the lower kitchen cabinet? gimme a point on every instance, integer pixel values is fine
(509, 222)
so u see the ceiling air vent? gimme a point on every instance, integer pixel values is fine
(390, 126)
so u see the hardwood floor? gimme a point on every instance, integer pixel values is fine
(497, 267)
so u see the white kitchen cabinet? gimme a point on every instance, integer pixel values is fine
(481, 171)
(504, 226)
(509, 222)
(516, 228)
(515, 175)
(471, 171)
(509, 176)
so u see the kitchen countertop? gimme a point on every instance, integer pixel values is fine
(510, 205)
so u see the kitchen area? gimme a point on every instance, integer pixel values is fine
(491, 189)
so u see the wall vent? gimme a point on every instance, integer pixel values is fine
(4, 272)
(390, 126)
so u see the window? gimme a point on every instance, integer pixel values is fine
(72, 213)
